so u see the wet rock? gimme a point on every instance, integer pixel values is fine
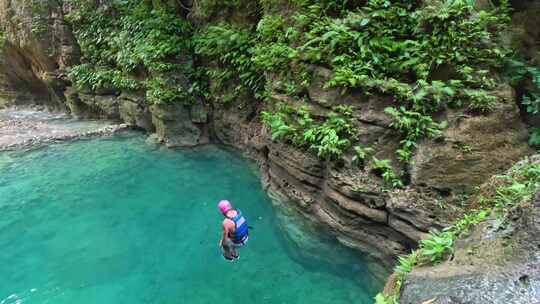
(199, 113)
(404, 227)
(357, 184)
(236, 124)
(326, 97)
(371, 110)
(76, 107)
(305, 167)
(356, 207)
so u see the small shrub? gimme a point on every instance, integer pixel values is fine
(360, 154)
(437, 245)
(534, 136)
(406, 263)
(328, 139)
(414, 126)
(384, 166)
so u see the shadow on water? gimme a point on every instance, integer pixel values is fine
(317, 250)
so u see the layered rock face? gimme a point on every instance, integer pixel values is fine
(497, 262)
(352, 202)
(344, 197)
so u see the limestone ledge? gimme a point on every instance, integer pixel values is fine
(38, 141)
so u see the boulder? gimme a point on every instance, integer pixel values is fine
(174, 126)
(134, 111)
(102, 106)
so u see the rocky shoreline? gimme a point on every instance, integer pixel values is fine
(29, 128)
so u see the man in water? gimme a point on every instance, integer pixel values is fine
(235, 230)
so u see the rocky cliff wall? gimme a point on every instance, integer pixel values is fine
(347, 199)
(496, 262)
(36, 49)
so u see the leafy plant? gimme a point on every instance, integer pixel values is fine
(414, 126)
(40, 14)
(124, 42)
(360, 154)
(327, 138)
(382, 299)
(437, 246)
(230, 48)
(384, 166)
(534, 136)
(406, 263)
(2, 40)
(465, 148)
(522, 72)
(331, 137)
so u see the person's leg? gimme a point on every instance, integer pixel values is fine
(235, 249)
(227, 251)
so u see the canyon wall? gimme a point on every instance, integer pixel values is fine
(346, 198)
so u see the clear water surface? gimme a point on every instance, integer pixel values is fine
(114, 220)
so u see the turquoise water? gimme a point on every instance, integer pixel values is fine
(114, 220)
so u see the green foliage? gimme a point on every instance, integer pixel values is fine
(406, 263)
(384, 167)
(328, 138)
(437, 245)
(398, 46)
(278, 123)
(231, 49)
(125, 41)
(275, 52)
(360, 154)
(465, 148)
(382, 299)
(427, 56)
(529, 76)
(414, 126)
(97, 78)
(534, 136)
(214, 9)
(2, 40)
(40, 16)
(331, 137)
